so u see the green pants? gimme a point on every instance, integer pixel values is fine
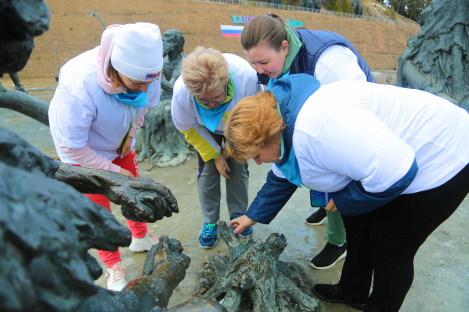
(335, 228)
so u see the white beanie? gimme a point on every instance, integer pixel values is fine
(138, 51)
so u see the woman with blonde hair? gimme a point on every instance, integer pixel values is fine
(101, 100)
(277, 50)
(394, 159)
(210, 86)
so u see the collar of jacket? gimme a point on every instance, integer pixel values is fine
(294, 45)
(291, 93)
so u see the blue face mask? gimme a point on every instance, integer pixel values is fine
(136, 99)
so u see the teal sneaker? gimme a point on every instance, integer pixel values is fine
(247, 232)
(208, 237)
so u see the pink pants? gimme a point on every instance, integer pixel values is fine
(138, 229)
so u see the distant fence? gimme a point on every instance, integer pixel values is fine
(285, 7)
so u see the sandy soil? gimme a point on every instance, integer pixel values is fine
(441, 280)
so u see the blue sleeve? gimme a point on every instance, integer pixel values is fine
(354, 200)
(273, 195)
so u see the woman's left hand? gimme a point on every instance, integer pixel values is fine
(221, 164)
(331, 206)
(128, 147)
(242, 223)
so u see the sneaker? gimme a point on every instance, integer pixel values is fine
(143, 244)
(115, 277)
(247, 232)
(329, 256)
(332, 293)
(208, 237)
(317, 218)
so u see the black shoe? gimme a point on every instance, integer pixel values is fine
(332, 293)
(329, 256)
(317, 217)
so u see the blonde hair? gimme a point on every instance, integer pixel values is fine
(266, 29)
(205, 70)
(113, 74)
(254, 122)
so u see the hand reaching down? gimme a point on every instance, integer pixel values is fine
(242, 223)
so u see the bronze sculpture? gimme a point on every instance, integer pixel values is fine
(158, 140)
(437, 58)
(253, 270)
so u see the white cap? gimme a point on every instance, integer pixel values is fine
(138, 51)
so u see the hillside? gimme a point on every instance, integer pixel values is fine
(73, 30)
(376, 9)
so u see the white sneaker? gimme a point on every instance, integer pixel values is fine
(115, 277)
(143, 244)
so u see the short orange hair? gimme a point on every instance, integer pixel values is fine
(254, 122)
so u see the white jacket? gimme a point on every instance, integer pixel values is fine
(82, 114)
(350, 130)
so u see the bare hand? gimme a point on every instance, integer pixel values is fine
(331, 206)
(242, 223)
(222, 165)
(126, 173)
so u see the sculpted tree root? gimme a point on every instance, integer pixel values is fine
(25, 104)
(165, 267)
(195, 305)
(254, 272)
(141, 199)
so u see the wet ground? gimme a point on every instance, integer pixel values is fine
(441, 280)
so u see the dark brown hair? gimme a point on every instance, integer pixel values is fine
(268, 29)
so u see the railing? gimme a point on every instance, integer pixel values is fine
(303, 9)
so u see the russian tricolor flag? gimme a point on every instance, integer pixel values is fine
(231, 31)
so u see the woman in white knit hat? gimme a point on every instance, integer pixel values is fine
(101, 100)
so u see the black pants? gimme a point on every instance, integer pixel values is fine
(382, 244)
